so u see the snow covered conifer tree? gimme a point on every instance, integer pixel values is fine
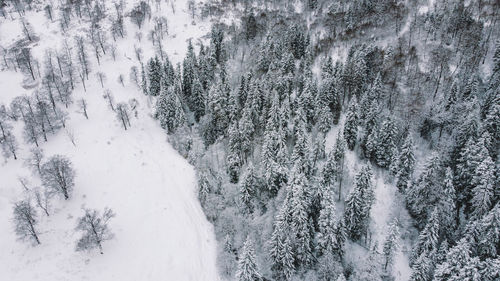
(484, 182)
(154, 74)
(95, 229)
(198, 99)
(422, 268)
(386, 143)
(391, 244)
(25, 220)
(247, 266)
(58, 175)
(247, 131)
(327, 240)
(426, 191)
(456, 259)
(428, 240)
(300, 226)
(358, 204)
(406, 164)
(248, 187)
(169, 110)
(281, 252)
(447, 206)
(188, 75)
(351, 124)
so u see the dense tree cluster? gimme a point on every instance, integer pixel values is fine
(261, 132)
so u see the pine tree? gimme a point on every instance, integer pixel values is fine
(457, 258)
(428, 239)
(218, 114)
(391, 245)
(234, 162)
(248, 187)
(188, 75)
(169, 110)
(483, 193)
(426, 191)
(247, 131)
(247, 266)
(358, 205)
(281, 251)
(198, 99)
(300, 226)
(351, 124)
(447, 204)
(473, 153)
(386, 143)
(489, 236)
(154, 73)
(406, 164)
(422, 268)
(327, 240)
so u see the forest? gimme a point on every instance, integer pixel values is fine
(332, 140)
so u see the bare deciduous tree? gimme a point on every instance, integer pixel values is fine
(82, 104)
(102, 78)
(9, 145)
(95, 229)
(109, 97)
(58, 176)
(35, 160)
(123, 113)
(25, 221)
(42, 200)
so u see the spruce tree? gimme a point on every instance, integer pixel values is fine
(247, 131)
(169, 110)
(155, 79)
(351, 124)
(406, 164)
(483, 180)
(281, 252)
(298, 210)
(198, 99)
(428, 240)
(234, 161)
(473, 153)
(426, 191)
(422, 268)
(248, 187)
(327, 224)
(358, 205)
(391, 245)
(188, 75)
(457, 258)
(247, 266)
(447, 206)
(386, 143)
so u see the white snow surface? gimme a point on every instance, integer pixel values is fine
(160, 230)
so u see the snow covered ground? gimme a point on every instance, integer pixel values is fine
(161, 231)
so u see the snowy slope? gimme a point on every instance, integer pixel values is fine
(161, 231)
